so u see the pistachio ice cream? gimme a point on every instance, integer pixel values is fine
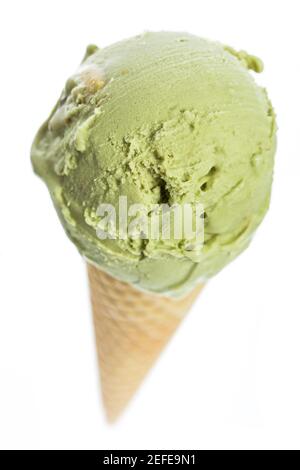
(162, 118)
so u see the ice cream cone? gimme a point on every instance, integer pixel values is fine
(132, 327)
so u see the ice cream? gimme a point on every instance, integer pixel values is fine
(161, 118)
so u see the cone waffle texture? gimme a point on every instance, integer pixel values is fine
(131, 327)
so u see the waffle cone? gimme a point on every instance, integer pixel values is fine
(131, 327)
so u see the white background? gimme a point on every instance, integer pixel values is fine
(230, 378)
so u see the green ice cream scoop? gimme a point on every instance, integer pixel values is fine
(162, 118)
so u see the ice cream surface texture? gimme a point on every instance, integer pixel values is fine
(161, 118)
